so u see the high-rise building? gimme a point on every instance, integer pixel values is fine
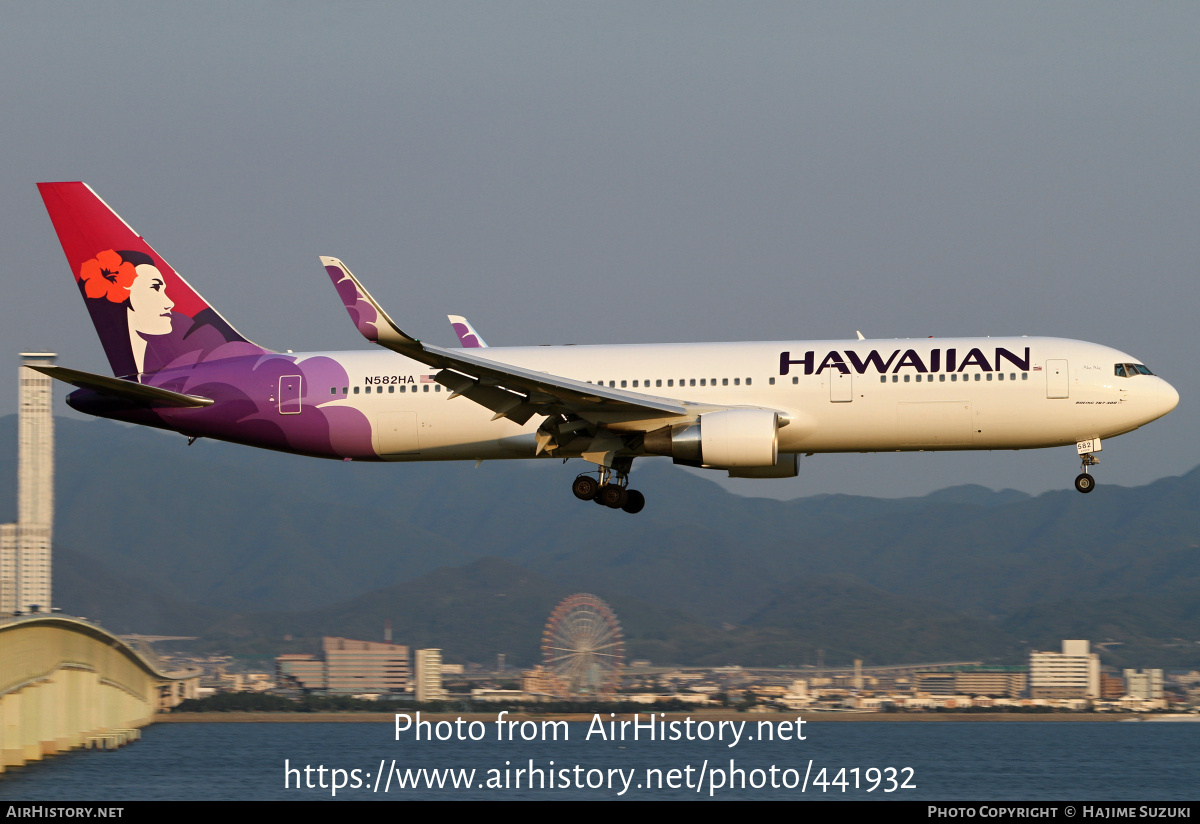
(429, 675)
(25, 545)
(1072, 673)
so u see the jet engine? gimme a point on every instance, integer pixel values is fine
(727, 439)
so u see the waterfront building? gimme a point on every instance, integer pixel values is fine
(1007, 682)
(1112, 687)
(347, 667)
(429, 675)
(1072, 673)
(25, 545)
(1146, 684)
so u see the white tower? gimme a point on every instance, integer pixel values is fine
(429, 675)
(25, 545)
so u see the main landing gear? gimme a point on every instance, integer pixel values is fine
(1083, 481)
(609, 487)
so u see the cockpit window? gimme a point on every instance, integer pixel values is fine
(1128, 370)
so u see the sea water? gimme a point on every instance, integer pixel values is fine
(927, 761)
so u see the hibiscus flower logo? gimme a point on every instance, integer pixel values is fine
(107, 276)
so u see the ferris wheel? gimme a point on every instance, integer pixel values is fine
(583, 647)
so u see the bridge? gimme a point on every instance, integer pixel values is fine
(66, 683)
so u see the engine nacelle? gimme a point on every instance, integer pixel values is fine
(728, 439)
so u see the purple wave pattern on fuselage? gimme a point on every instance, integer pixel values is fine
(247, 408)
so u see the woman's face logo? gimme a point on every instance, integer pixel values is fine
(149, 306)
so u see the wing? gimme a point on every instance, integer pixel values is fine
(510, 391)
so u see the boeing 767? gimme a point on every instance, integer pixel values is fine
(746, 408)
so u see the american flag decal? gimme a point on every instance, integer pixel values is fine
(427, 379)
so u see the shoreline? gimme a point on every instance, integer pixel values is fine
(711, 715)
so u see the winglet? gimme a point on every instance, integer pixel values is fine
(467, 336)
(365, 311)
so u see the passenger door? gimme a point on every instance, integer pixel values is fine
(1058, 384)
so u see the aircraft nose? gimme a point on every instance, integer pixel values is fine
(1168, 397)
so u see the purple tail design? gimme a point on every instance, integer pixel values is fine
(147, 316)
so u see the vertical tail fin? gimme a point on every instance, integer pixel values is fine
(147, 316)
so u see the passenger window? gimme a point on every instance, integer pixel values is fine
(747, 381)
(356, 390)
(345, 390)
(1024, 376)
(702, 381)
(1012, 376)
(622, 384)
(771, 381)
(658, 382)
(670, 382)
(895, 378)
(883, 378)
(989, 375)
(724, 381)
(612, 384)
(737, 381)
(795, 379)
(426, 388)
(402, 388)
(694, 382)
(391, 388)
(977, 377)
(942, 378)
(907, 378)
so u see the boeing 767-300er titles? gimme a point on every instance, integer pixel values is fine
(749, 408)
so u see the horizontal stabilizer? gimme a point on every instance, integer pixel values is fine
(125, 390)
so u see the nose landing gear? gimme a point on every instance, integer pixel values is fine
(610, 487)
(1083, 481)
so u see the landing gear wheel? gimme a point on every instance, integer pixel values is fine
(1085, 482)
(635, 502)
(613, 496)
(585, 488)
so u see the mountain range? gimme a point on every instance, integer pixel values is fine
(259, 552)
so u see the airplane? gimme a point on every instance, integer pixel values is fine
(750, 409)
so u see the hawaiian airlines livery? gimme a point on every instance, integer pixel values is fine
(748, 408)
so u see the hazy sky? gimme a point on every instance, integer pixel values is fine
(627, 172)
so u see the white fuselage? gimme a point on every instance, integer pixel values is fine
(836, 396)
